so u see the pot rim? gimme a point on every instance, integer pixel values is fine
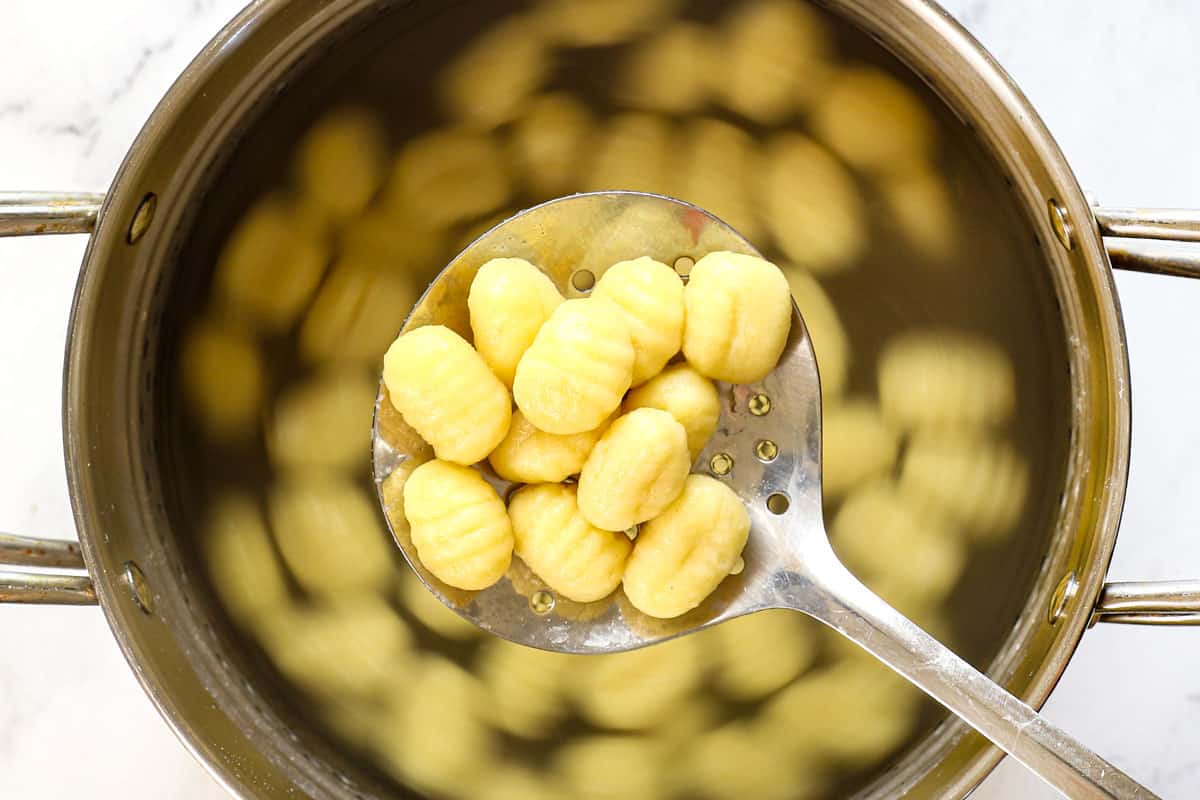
(110, 233)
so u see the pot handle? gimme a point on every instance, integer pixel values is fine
(1147, 240)
(33, 213)
(70, 585)
(27, 214)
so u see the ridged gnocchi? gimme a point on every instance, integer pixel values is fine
(874, 122)
(529, 455)
(683, 554)
(635, 471)
(650, 296)
(830, 344)
(738, 315)
(329, 533)
(721, 165)
(610, 768)
(824, 227)
(245, 571)
(877, 528)
(574, 557)
(638, 689)
(687, 396)
(432, 612)
(445, 391)
(549, 142)
(489, 83)
(325, 422)
(271, 265)
(356, 312)
(941, 378)
(341, 162)
(857, 445)
(763, 652)
(446, 177)
(975, 480)
(773, 58)
(669, 71)
(458, 524)
(577, 369)
(509, 300)
(526, 687)
(632, 153)
(223, 380)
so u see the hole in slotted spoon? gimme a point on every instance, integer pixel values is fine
(778, 503)
(583, 280)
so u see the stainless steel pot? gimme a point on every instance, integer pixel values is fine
(130, 561)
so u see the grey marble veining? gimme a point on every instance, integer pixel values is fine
(1119, 86)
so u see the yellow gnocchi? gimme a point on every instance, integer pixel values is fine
(459, 525)
(683, 554)
(687, 396)
(329, 533)
(529, 455)
(829, 341)
(223, 380)
(356, 312)
(588, 23)
(824, 227)
(577, 369)
(635, 471)
(341, 162)
(738, 315)
(445, 391)
(525, 687)
(721, 164)
(489, 83)
(509, 301)
(245, 571)
(639, 689)
(669, 71)
(941, 379)
(857, 445)
(446, 177)
(325, 422)
(574, 557)
(549, 142)
(432, 612)
(762, 652)
(650, 295)
(633, 153)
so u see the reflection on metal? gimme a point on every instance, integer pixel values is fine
(721, 464)
(1170, 224)
(139, 590)
(1154, 257)
(1150, 603)
(22, 551)
(142, 218)
(34, 213)
(1060, 221)
(1063, 594)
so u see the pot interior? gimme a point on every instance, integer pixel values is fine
(344, 185)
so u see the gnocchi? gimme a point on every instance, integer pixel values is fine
(738, 315)
(525, 687)
(973, 479)
(509, 300)
(445, 391)
(830, 344)
(877, 528)
(489, 84)
(577, 369)
(459, 526)
(940, 378)
(329, 533)
(683, 554)
(325, 422)
(687, 396)
(610, 768)
(353, 318)
(669, 71)
(574, 557)
(223, 380)
(650, 296)
(633, 153)
(824, 227)
(549, 142)
(635, 471)
(761, 653)
(857, 445)
(721, 164)
(447, 177)
(432, 613)
(341, 162)
(639, 689)
(773, 58)
(874, 122)
(270, 266)
(241, 561)
(588, 23)
(528, 455)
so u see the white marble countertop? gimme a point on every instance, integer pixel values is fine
(1118, 83)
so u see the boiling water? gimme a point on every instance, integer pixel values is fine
(981, 277)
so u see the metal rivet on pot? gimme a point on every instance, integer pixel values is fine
(135, 579)
(142, 218)
(1061, 222)
(1063, 594)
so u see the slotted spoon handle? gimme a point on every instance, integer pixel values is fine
(825, 589)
